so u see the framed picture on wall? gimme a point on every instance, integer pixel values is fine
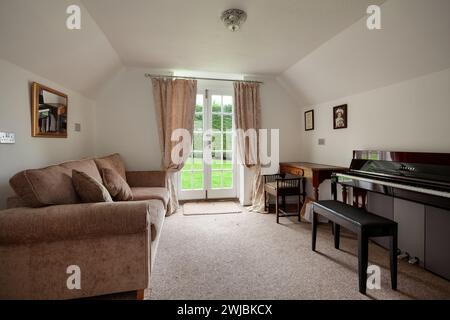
(340, 117)
(309, 120)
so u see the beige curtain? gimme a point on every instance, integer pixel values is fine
(247, 117)
(175, 109)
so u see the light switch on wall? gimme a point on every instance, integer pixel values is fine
(77, 127)
(321, 142)
(7, 137)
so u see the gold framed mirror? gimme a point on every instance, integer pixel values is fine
(49, 112)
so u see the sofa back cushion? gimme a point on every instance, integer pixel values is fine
(87, 166)
(113, 162)
(47, 186)
(89, 189)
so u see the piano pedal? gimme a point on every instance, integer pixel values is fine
(403, 256)
(413, 260)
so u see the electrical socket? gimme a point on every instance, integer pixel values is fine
(7, 137)
(321, 142)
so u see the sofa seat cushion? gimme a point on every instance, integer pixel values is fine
(87, 166)
(113, 162)
(142, 193)
(43, 187)
(118, 188)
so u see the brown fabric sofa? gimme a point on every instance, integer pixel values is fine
(46, 229)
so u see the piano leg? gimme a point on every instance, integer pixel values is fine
(334, 197)
(337, 234)
(359, 198)
(333, 188)
(314, 231)
(393, 259)
(344, 194)
(363, 256)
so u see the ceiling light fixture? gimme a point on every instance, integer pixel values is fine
(233, 19)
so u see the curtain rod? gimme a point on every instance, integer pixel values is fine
(148, 75)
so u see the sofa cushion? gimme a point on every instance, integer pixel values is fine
(72, 222)
(47, 186)
(142, 193)
(87, 166)
(117, 187)
(89, 189)
(113, 162)
(15, 202)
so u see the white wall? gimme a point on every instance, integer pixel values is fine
(280, 111)
(409, 116)
(126, 121)
(15, 116)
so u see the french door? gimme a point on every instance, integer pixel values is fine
(209, 172)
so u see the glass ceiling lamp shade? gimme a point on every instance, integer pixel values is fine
(233, 19)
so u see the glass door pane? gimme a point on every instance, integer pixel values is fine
(222, 143)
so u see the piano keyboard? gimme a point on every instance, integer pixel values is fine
(397, 185)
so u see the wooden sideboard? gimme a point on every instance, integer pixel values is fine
(314, 172)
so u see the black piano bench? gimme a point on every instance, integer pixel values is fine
(365, 225)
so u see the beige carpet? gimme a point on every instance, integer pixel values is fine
(249, 256)
(219, 207)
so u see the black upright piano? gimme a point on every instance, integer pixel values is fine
(411, 188)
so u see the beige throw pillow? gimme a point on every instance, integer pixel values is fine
(118, 188)
(114, 162)
(89, 190)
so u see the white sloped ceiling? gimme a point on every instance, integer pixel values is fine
(34, 36)
(413, 41)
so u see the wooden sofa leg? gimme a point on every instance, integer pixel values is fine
(140, 294)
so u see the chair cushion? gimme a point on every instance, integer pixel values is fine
(87, 166)
(89, 189)
(113, 162)
(46, 186)
(117, 187)
(142, 193)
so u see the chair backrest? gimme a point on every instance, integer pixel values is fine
(273, 177)
(289, 183)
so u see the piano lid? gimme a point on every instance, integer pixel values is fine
(408, 166)
(410, 157)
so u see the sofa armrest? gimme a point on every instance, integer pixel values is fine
(74, 221)
(146, 179)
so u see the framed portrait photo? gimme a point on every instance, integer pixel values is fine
(340, 117)
(309, 120)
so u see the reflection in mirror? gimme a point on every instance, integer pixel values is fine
(49, 112)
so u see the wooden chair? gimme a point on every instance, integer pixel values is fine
(278, 186)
